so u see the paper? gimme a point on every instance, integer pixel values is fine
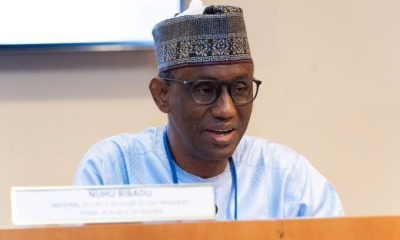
(106, 204)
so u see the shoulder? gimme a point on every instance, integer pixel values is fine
(127, 142)
(107, 160)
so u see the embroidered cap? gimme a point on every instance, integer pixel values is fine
(217, 36)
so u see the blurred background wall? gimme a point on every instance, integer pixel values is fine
(330, 72)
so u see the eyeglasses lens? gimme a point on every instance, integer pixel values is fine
(206, 91)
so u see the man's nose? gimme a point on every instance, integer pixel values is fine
(224, 106)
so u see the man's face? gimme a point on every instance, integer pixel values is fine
(212, 131)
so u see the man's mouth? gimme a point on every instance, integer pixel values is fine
(222, 136)
(222, 132)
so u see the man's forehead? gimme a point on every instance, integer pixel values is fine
(217, 71)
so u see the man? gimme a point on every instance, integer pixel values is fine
(206, 87)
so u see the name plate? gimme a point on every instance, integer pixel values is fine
(108, 204)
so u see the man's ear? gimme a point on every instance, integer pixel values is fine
(160, 91)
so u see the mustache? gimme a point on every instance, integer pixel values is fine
(222, 126)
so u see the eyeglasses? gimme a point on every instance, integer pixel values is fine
(206, 92)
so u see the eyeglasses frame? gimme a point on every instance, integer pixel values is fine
(219, 83)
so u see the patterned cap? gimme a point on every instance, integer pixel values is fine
(218, 36)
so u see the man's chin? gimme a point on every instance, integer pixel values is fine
(220, 153)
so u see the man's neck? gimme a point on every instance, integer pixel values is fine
(198, 166)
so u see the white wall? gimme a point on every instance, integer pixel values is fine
(331, 72)
(330, 81)
(54, 106)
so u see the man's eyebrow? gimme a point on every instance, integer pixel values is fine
(207, 78)
(239, 77)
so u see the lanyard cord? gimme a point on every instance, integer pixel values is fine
(175, 177)
(234, 183)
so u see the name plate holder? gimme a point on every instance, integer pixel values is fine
(111, 204)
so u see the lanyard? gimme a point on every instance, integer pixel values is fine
(175, 177)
